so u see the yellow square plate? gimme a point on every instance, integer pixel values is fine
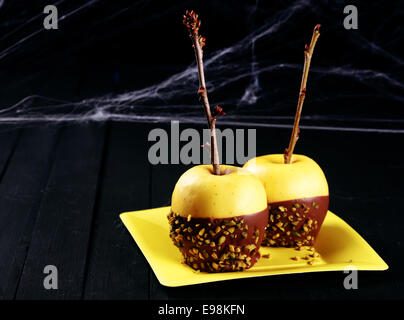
(339, 245)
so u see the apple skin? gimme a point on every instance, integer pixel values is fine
(297, 195)
(202, 194)
(218, 221)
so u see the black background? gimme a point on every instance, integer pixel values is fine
(75, 110)
(105, 48)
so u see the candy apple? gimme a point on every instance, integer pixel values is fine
(218, 221)
(297, 195)
(297, 189)
(218, 212)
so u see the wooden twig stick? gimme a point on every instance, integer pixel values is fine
(192, 22)
(308, 53)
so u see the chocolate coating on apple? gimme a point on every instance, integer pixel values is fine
(295, 223)
(219, 244)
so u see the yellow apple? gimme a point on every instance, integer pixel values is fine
(297, 195)
(218, 221)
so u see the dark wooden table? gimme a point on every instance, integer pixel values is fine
(62, 189)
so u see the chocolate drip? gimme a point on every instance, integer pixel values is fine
(295, 223)
(219, 244)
